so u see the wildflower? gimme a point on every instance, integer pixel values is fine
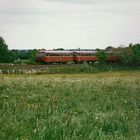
(35, 130)
(96, 118)
(125, 101)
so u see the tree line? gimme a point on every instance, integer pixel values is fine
(15, 55)
(128, 56)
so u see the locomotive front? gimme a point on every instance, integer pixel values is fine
(40, 56)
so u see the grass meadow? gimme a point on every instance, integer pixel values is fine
(101, 106)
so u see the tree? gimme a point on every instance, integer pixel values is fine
(27, 54)
(109, 48)
(126, 56)
(59, 49)
(4, 53)
(101, 56)
(136, 54)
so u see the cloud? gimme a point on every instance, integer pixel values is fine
(91, 1)
(69, 24)
(51, 7)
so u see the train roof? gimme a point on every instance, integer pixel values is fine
(84, 52)
(62, 52)
(56, 52)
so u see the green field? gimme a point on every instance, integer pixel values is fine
(103, 106)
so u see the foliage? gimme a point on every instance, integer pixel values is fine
(27, 54)
(130, 56)
(136, 54)
(3, 51)
(14, 56)
(125, 55)
(20, 55)
(101, 106)
(59, 49)
(101, 56)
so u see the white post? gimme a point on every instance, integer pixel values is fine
(13, 71)
(7, 71)
(0, 71)
(18, 71)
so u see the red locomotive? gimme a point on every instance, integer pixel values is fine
(66, 56)
(84, 56)
(49, 57)
(111, 57)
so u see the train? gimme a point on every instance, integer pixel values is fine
(78, 57)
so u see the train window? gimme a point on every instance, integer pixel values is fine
(41, 54)
(74, 54)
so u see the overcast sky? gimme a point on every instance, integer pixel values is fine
(69, 24)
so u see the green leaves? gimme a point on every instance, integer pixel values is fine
(4, 53)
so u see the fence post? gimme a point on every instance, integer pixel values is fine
(19, 71)
(8, 72)
(13, 71)
(0, 71)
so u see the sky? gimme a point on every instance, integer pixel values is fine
(69, 24)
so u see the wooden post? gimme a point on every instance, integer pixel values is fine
(18, 71)
(7, 71)
(0, 71)
(13, 71)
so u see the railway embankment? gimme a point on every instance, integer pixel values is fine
(61, 68)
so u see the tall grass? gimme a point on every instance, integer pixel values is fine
(102, 106)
